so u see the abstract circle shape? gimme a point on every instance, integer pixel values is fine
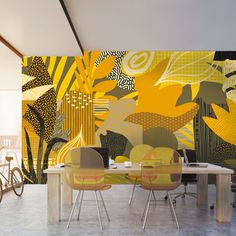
(160, 137)
(138, 63)
(138, 152)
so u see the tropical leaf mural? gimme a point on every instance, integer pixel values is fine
(105, 95)
(224, 124)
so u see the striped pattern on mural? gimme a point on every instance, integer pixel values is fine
(185, 136)
(100, 106)
(62, 71)
(78, 110)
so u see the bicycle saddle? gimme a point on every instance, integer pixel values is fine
(9, 159)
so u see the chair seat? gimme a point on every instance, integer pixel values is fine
(134, 176)
(94, 188)
(163, 187)
(9, 159)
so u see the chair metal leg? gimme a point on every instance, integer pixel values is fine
(191, 194)
(173, 209)
(145, 207)
(154, 197)
(73, 208)
(99, 215)
(80, 204)
(147, 210)
(131, 197)
(108, 218)
(170, 207)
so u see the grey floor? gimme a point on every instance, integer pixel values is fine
(27, 215)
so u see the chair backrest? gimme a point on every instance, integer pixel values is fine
(73, 156)
(9, 141)
(161, 169)
(138, 152)
(86, 170)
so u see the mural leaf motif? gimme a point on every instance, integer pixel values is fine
(104, 68)
(224, 125)
(40, 147)
(31, 175)
(105, 86)
(190, 68)
(88, 72)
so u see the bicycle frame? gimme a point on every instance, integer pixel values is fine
(9, 172)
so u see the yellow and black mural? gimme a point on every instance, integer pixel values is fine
(120, 99)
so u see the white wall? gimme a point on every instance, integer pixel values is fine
(10, 100)
(10, 70)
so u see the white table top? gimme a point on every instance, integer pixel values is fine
(136, 168)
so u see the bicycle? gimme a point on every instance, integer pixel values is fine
(14, 179)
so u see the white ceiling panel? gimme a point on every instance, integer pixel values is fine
(37, 27)
(154, 24)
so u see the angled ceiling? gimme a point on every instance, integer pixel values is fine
(37, 27)
(41, 28)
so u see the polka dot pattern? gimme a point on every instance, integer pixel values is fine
(150, 120)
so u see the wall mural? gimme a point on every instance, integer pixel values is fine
(120, 99)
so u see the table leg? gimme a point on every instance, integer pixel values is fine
(54, 197)
(202, 189)
(67, 193)
(223, 207)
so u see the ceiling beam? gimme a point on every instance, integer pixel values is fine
(8, 45)
(71, 25)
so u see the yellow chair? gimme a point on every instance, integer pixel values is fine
(161, 170)
(136, 156)
(84, 171)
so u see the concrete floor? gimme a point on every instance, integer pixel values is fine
(27, 215)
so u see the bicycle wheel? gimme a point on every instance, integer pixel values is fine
(17, 181)
(1, 192)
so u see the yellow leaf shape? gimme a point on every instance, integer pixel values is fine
(219, 111)
(52, 63)
(195, 89)
(59, 70)
(93, 57)
(147, 80)
(168, 97)
(26, 79)
(86, 59)
(35, 93)
(83, 87)
(104, 68)
(224, 125)
(191, 68)
(98, 123)
(105, 86)
(78, 141)
(81, 67)
(87, 72)
(66, 81)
